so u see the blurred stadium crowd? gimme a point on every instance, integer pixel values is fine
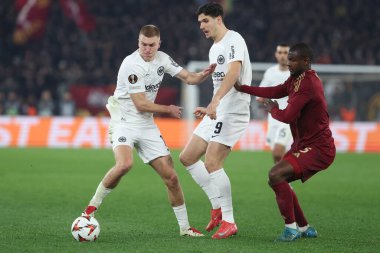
(36, 73)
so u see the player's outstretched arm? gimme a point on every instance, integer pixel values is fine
(196, 77)
(144, 105)
(278, 91)
(237, 86)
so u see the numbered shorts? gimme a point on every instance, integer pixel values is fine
(310, 160)
(226, 129)
(279, 134)
(146, 139)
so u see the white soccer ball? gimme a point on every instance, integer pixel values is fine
(85, 229)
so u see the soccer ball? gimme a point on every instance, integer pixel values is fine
(85, 229)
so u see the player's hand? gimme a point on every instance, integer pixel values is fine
(211, 109)
(237, 86)
(270, 104)
(260, 100)
(209, 70)
(200, 112)
(175, 111)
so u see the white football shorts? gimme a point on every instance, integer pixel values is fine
(147, 140)
(279, 134)
(226, 129)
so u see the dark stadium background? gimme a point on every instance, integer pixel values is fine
(50, 165)
(65, 54)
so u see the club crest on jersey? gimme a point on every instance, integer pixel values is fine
(160, 71)
(173, 62)
(132, 79)
(122, 139)
(220, 59)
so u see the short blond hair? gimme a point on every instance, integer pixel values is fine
(150, 31)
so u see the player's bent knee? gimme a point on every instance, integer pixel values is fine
(277, 158)
(185, 160)
(182, 159)
(211, 166)
(172, 181)
(123, 167)
(274, 177)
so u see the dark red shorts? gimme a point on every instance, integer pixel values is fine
(308, 161)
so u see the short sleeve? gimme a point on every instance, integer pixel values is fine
(236, 48)
(131, 76)
(172, 67)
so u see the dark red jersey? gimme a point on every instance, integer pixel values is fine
(306, 111)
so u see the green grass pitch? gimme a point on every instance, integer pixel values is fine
(43, 190)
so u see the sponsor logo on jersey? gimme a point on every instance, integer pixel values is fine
(173, 62)
(218, 76)
(220, 59)
(122, 139)
(232, 53)
(132, 79)
(160, 71)
(152, 87)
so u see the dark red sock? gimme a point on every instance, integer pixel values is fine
(300, 218)
(284, 198)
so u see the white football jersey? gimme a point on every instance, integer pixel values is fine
(136, 76)
(273, 76)
(230, 48)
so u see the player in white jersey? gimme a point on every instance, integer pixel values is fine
(132, 126)
(224, 120)
(279, 136)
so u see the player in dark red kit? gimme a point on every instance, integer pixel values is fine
(313, 148)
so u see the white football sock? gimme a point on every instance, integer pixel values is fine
(100, 194)
(291, 225)
(201, 176)
(303, 229)
(220, 179)
(181, 215)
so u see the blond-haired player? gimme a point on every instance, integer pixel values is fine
(132, 126)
